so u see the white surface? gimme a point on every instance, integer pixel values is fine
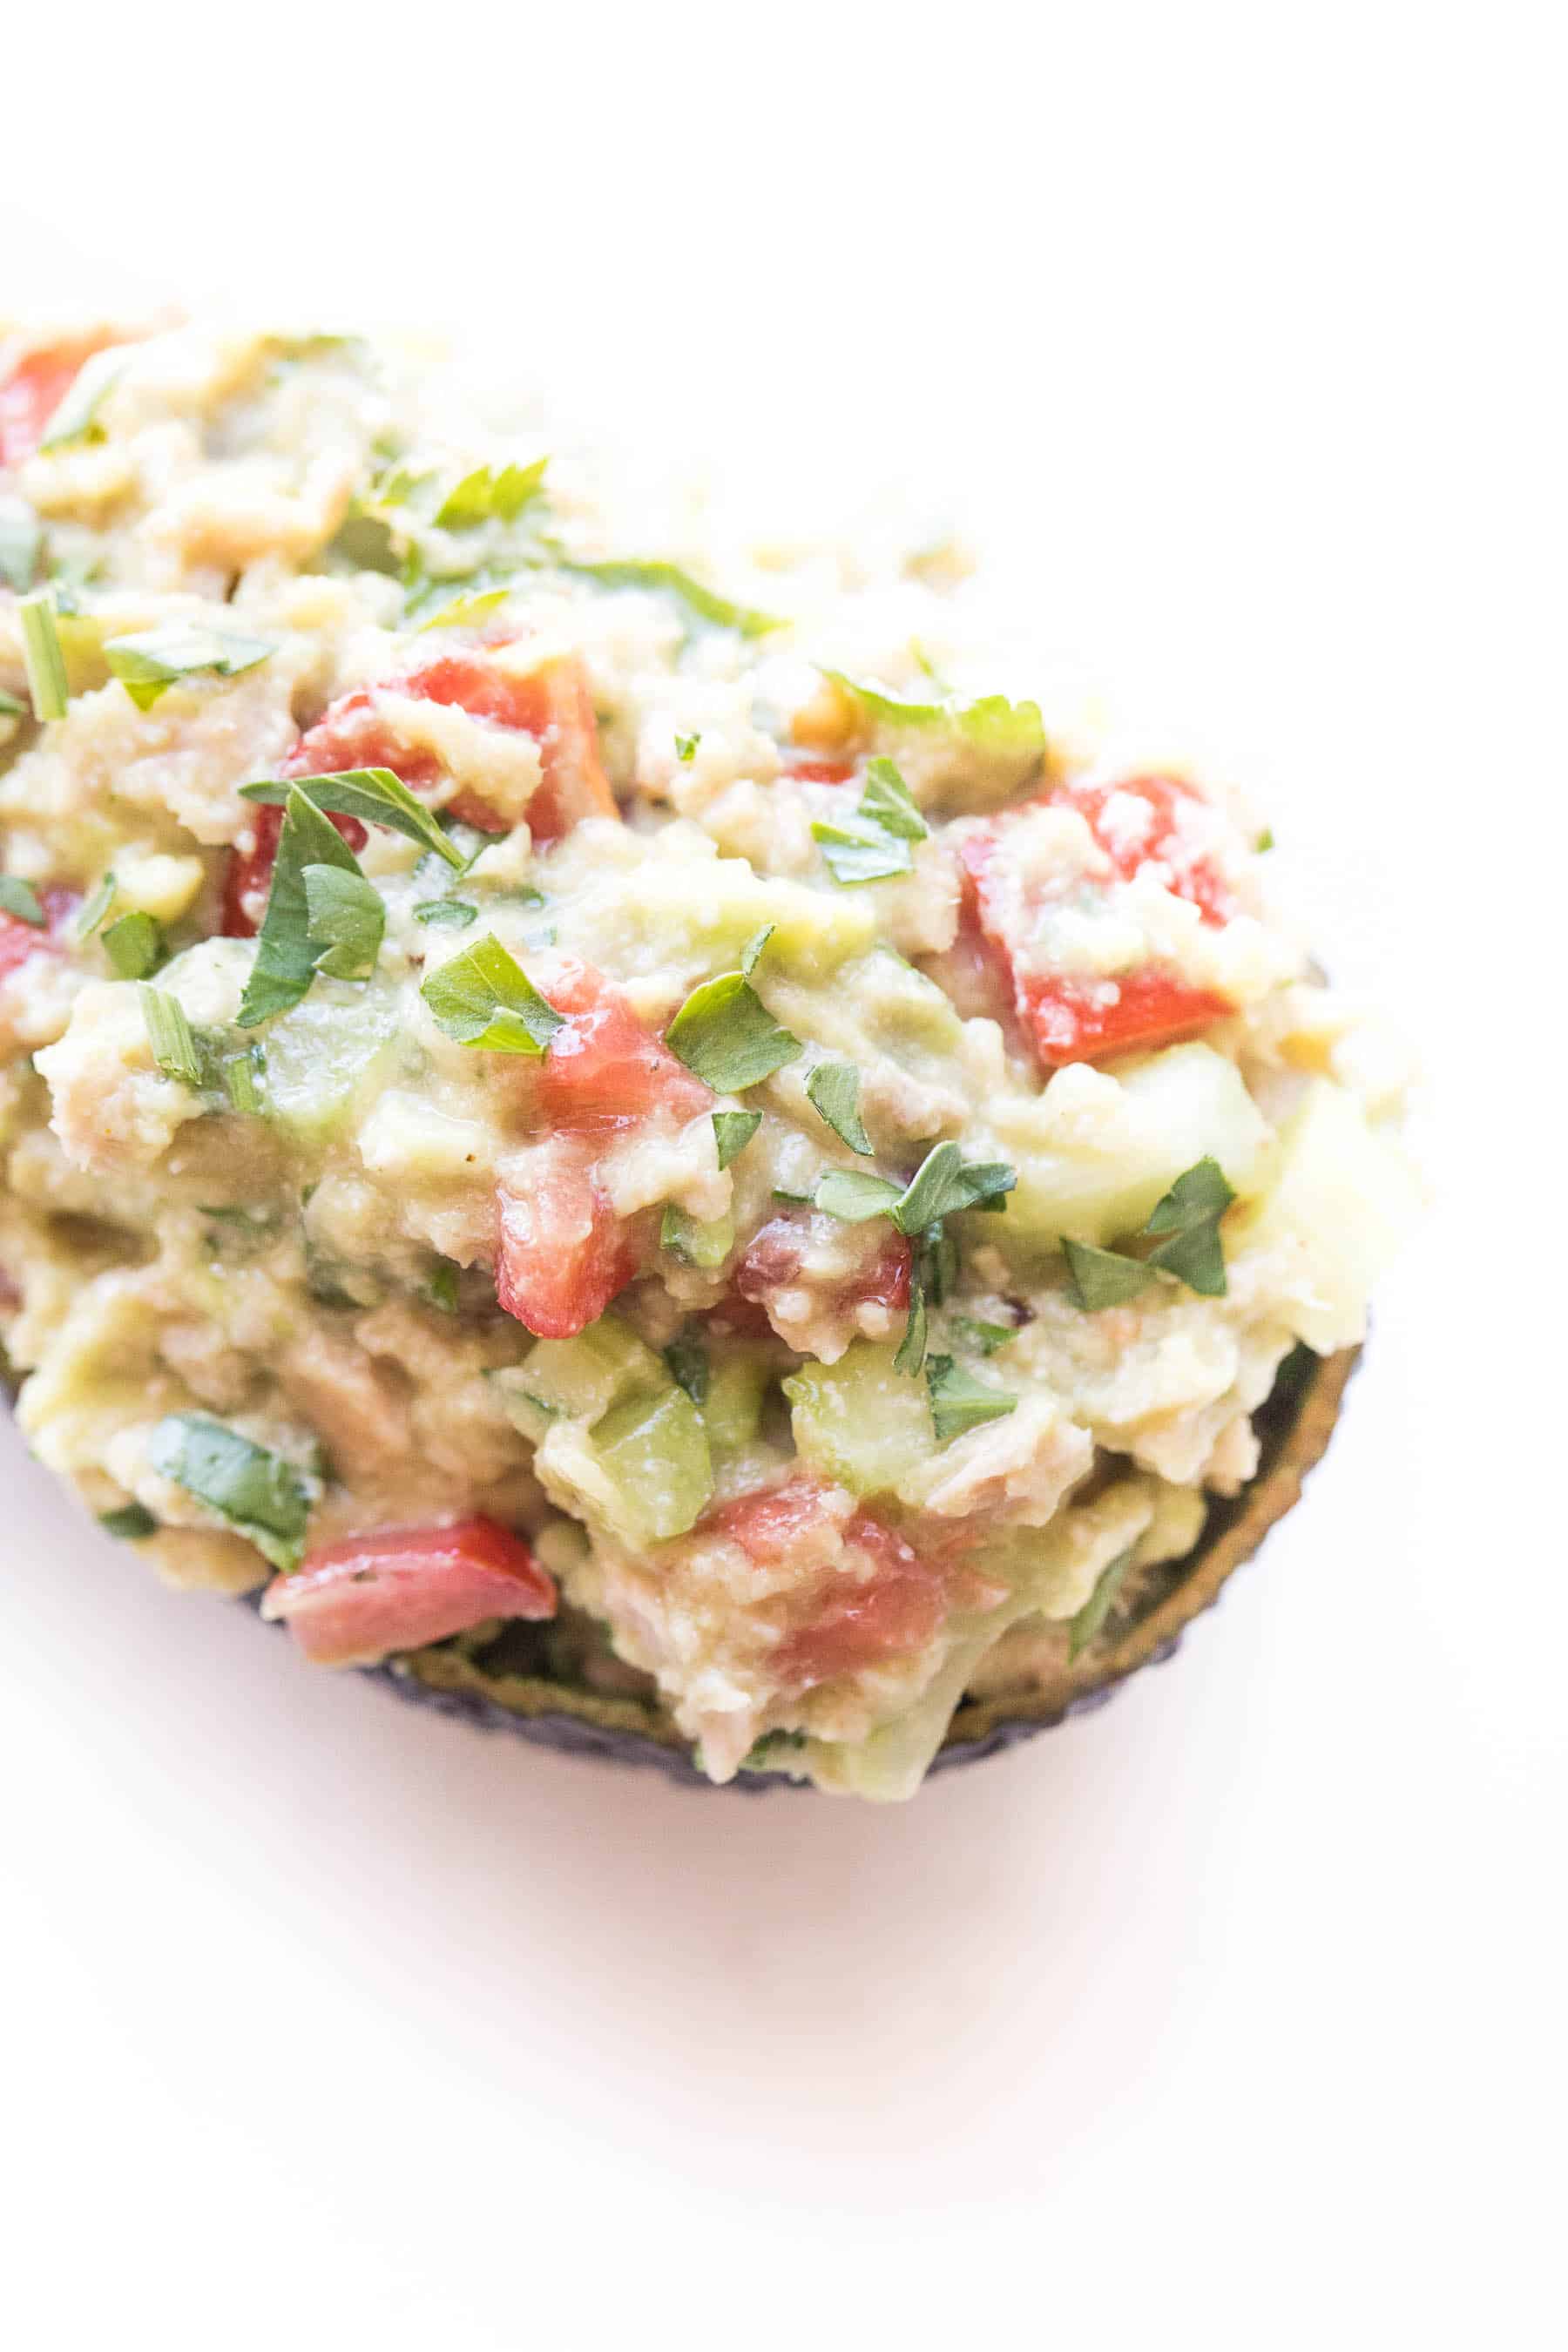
(1236, 2008)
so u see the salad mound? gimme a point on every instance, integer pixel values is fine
(603, 1109)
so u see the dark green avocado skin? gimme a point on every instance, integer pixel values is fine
(604, 1744)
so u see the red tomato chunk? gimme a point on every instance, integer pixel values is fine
(397, 1587)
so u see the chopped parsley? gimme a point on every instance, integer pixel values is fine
(346, 920)
(19, 899)
(288, 953)
(487, 496)
(958, 1401)
(1185, 1226)
(886, 801)
(944, 1183)
(834, 1091)
(372, 794)
(96, 907)
(446, 914)
(135, 946)
(130, 1523)
(483, 998)
(703, 602)
(686, 749)
(732, 1130)
(727, 1035)
(149, 664)
(263, 1497)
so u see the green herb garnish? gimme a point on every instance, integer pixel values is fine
(372, 794)
(48, 683)
(287, 954)
(441, 1289)
(467, 611)
(688, 1360)
(135, 946)
(130, 1523)
(751, 954)
(346, 918)
(260, 1494)
(674, 581)
(834, 1091)
(725, 1032)
(865, 853)
(446, 914)
(686, 749)
(148, 665)
(1186, 1221)
(487, 496)
(944, 1185)
(483, 998)
(732, 1130)
(1103, 1277)
(886, 801)
(984, 1337)
(19, 899)
(958, 1401)
(991, 724)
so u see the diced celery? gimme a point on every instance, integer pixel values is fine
(577, 1380)
(1175, 1108)
(858, 1421)
(732, 1408)
(653, 1450)
(1345, 1198)
(326, 1056)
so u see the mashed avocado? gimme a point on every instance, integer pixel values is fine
(549, 1079)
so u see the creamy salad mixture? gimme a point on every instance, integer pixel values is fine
(545, 1075)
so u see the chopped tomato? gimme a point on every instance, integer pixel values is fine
(820, 771)
(606, 1064)
(883, 1600)
(35, 389)
(550, 703)
(1136, 823)
(398, 1588)
(561, 1253)
(19, 940)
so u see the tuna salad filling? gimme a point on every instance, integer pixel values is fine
(617, 1095)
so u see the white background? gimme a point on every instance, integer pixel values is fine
(1236, 2010)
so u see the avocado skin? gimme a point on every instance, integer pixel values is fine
(1295, 1426)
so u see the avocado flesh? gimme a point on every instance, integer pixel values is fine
(1295, 1426)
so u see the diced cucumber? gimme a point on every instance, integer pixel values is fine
(1346, 1198)
(326, 1056)
(858, 1421)
(577, 1380)
(701, 911)
(653, 1450)
(732, 1408)
(1175, 1108)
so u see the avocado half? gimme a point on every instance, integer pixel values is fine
(1294, 1426)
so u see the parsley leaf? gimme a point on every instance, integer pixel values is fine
(911, 1352)
(130, 1523)
(149, 664)
(703, 602)
(751, 954)
(886, 801)
(1189, 1216)
(725, 1032)
(732, 1130)
(484, 998)
(95, 908)
(264, 1497)
(465, 612)
(991, 725)
(446, 914)
(984, 1337)
(834, 1090)
(958, 1401)
(286, 954)
(856, 1197)
(372, 794)
(1102, 1277)
(945, 1182)
(686, 749)
(688, 1360)
(19, 899)
(135, 946)
(487, 496)
(346, 920)
(863, 853)
(42, 656)
(1097, 1608)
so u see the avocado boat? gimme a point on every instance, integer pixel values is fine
(597, 1117)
